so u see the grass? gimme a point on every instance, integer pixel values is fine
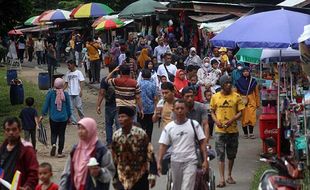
(258, 173)
(6, 109)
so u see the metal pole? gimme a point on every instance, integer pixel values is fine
(278, 109)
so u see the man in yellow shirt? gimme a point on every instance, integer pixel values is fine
(226, 107)
(94, 59)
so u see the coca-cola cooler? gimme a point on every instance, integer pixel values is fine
(268, 128)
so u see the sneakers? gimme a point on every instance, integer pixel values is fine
(61, 155)
(53, 151)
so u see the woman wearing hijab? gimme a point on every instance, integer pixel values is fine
(180, 82)
(143, 57)
(237, 73)
(247, 87)
(75, 175)
(193, 59)
(57, 104)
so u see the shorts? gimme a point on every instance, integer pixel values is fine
(226, 142)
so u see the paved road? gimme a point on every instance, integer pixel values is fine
(245, 164)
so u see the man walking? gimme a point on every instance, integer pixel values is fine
(149, 100)
(196, 110)
(16, 154)
(127, 90)
(94, 58)
(167, 69)
(132, 154)
(181, 135)
(226, 107)
(160, 50)
(73, 82)
(107, 91)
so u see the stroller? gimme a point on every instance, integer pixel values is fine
(166, 170)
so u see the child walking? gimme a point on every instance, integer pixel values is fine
(30, 121)
(45, 175)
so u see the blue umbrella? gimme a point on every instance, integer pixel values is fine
(271, 29)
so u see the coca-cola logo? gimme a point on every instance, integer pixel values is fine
(270, 131)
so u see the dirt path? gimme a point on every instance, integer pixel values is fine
(89, 105)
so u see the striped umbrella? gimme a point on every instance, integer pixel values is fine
(32, 21)
(109, 24)
(57, 15)
(91, 10)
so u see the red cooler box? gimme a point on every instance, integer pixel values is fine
(268, 128)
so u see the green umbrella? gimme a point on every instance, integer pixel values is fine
(32, 21)
(256, 55)
(141, 8)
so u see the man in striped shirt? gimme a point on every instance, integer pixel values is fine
(127, 90)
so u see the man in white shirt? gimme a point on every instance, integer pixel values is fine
(167, 69)
(74, 79)
(160, 50)
(181, 134)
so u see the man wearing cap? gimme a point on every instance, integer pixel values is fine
(73, 83)
(226, 107)
(196, 110)
(132, 154)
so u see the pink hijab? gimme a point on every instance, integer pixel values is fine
(60, 95)
(83, 152)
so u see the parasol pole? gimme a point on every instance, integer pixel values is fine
(291, 81)
(278, 109)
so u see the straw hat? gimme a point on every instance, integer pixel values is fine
(92, 162)
(223, 49)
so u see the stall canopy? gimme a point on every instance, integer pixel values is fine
(91, 10)
(217, 27)
(256, 55)
(140, 9)
(271, 29)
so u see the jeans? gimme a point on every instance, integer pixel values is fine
(39, 55)
(78, 57)
(147, 124)
(50, 70)
(95, 67)
(58, 130)
(76, 102)
(20, 53)
(183, 175)
(111, 117)
(31, 134)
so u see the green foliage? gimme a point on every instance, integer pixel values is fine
(6, 109)
(69, 5)
(258, 173)
(13, 12)
(116, 5)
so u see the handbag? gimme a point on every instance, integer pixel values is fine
(170, 75)
(42, 137)
(245, 98)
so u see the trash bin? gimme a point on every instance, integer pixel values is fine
(56, 76)
(10, 75)
(16, 92)
(43, 81)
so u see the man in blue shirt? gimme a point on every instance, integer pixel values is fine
(149, 101)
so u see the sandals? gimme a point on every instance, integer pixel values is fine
(251, 136)
(221, 184)
(230, 181)
(245, 136)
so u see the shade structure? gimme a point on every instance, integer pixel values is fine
(32, 21)
(15, 32)
(57, 15)
(271, 29)
(109, 24)
(256, 55)
(140, 8)
(90, 10)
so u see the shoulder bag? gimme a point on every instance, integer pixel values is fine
(170, 75)
(245, 98)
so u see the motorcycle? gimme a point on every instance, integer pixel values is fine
(284, 175)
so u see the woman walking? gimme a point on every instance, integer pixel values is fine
(30, 48)
(247, 87)
(57, 104)
(77, 175)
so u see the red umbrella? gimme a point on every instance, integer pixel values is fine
(15, 32)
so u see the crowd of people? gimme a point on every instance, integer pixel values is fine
(192, 98)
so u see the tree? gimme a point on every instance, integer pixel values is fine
(69, 5)
(13, 13)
